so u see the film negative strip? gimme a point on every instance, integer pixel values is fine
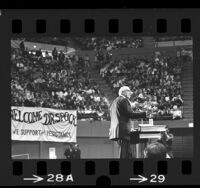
(100, 97)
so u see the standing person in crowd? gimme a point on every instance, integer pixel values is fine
(22, 46)
(68, 151)
(61, 56)
(121, 114)
(76, 152)
(39, 54)
(55, 53)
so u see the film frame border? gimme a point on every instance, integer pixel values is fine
(169, 19)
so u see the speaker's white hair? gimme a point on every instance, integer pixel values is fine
(122, 89)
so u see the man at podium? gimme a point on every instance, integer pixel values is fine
(121, 115)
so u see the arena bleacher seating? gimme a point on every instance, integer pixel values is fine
(64, 82)
(55, 82)
(156, 83)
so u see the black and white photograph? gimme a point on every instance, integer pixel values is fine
(102, 97)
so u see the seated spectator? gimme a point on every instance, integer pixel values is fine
(48, 58)
(176, 112)
(155, 151)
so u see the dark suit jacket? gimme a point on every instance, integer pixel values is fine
(121, 114)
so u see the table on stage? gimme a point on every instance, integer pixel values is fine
(143, 135)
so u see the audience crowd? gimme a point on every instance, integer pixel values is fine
(108, 43)
(60, 81)
(63, 41)
(162, 39)
(155, 81)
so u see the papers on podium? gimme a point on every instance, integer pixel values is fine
(147, 125)
(152, 128)
(150, 135)
(151, 131)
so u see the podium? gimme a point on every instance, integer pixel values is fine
(144, 134)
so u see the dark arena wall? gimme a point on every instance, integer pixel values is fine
(93, 141)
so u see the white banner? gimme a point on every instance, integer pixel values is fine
(43, 124)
